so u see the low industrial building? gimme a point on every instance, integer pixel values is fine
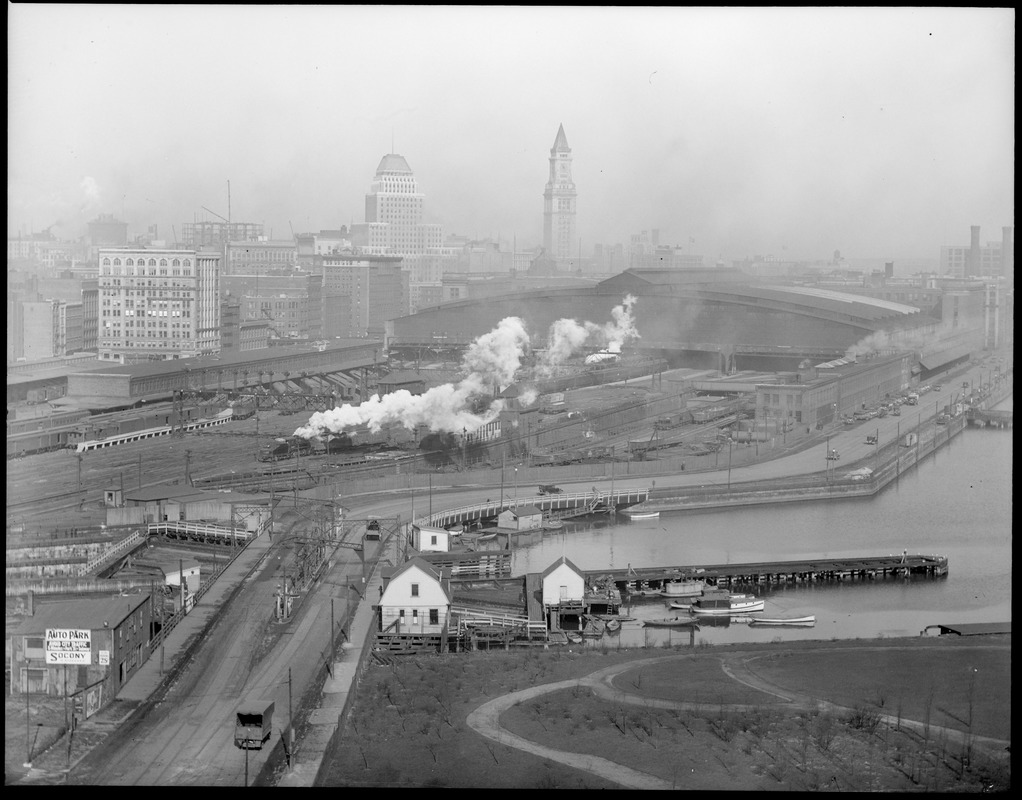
(120, 631)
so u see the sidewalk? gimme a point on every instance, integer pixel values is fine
(323, 720)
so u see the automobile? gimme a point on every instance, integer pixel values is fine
(937, 387)
(848, 420)
(942, 419)
(896, 412)
(871, 439)
(549, 488)
(833, 456)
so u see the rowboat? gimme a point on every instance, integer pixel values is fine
(613, 624)
(681, 604)
(805, 622)
(670, 622)
(574, 637)
(722, 603)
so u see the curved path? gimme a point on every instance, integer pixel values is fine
(485, 719)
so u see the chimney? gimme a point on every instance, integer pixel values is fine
(974, 252)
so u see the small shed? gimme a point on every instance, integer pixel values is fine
(563, 592)
(521, 518)
(431, 540)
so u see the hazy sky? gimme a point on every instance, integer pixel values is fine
(793, 132)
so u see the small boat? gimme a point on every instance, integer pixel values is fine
(681, 604)
(683, 588)
(613, 624)
(552, 525)
(574, 637)
(804, 622)
(670, 622)
(722, 603)
(641, 514)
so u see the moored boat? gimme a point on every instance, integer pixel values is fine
(613, 624)
(681, 604)
(805, 622)
(670, 622)
(683, 588)
(722, 603)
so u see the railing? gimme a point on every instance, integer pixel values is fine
(124, 546)
(201, 529)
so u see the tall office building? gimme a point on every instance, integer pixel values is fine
(394, 226)
(158, 304)
(559, 204)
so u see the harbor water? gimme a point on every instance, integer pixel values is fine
(957, 503)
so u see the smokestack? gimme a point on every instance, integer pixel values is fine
(974, 252)
(1007, 256)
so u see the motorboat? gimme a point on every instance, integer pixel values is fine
(688, 587)
(720, 603)
(801, 622)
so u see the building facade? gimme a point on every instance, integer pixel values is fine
(394, 226)
(156, 305)
(261, 257)
(559, 204)
(361, 293)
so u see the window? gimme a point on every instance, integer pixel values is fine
(415, 615)
(432, 539)
(34, 647)
(434, 616)
(401, 614)
(415, 590)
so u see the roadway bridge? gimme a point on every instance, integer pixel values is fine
(553, 506)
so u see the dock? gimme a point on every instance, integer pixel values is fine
(633, 579)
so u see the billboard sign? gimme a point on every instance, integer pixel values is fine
(68, 646)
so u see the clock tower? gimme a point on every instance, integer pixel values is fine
(559, 204)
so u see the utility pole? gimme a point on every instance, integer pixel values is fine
(290, 721)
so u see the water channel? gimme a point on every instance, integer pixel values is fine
(956, 503)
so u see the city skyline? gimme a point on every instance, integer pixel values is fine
(785, 132)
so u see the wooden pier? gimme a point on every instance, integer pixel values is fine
(772, 572)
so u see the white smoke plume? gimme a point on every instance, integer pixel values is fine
(567, 337)
(490, 362)
(908, 339)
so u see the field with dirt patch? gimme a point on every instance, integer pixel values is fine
(885, 715)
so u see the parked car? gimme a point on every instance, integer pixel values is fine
(833, 456)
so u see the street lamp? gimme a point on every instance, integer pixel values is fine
(516, 487)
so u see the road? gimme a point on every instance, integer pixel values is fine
(188, 740)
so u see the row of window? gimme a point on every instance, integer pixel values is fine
(434, 616)
(128, 262)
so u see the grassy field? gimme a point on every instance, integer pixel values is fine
(740, 717)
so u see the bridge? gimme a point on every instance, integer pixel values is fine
(553, 506)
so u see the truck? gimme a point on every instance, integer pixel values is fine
(254, 724)
(913, 399)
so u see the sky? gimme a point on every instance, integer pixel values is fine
(792, 132)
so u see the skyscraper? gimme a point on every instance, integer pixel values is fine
(559, 203)
(394, 226)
